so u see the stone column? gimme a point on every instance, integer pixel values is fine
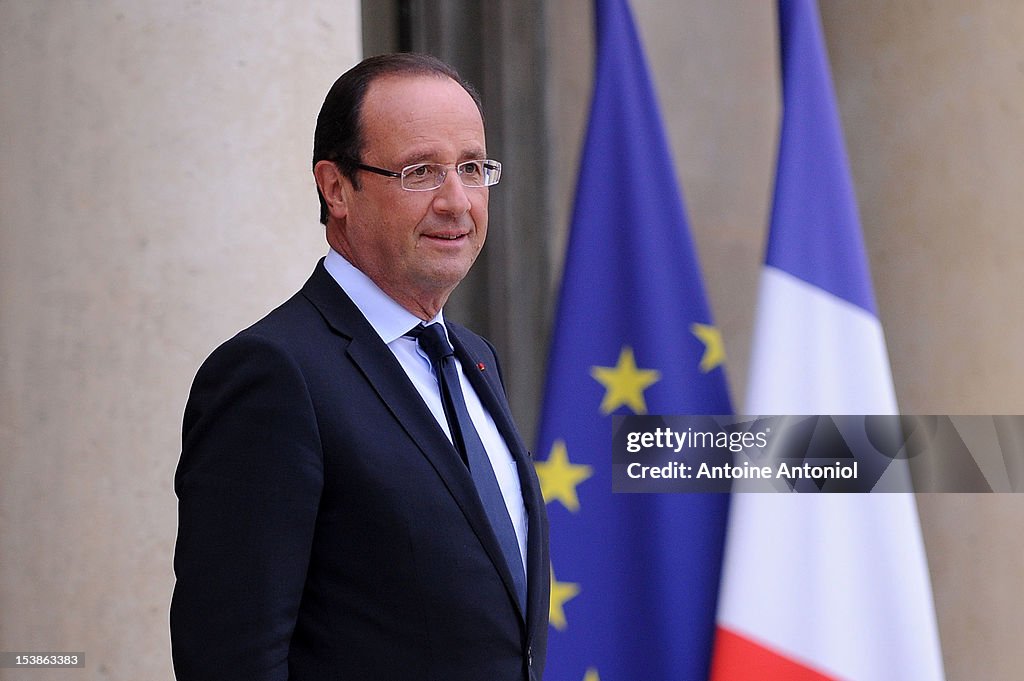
(155, 197)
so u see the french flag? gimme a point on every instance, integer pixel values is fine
(820, 586)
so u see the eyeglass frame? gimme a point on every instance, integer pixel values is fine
(496, 165)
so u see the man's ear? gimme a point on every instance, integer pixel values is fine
(332, 185)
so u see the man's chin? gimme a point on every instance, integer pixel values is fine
(441, 281)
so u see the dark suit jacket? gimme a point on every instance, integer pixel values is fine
(327, 527)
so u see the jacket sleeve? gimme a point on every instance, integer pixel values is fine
(248, 484)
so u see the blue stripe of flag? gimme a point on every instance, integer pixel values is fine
(815, 209)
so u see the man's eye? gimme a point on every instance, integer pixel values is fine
(419, 171)
(471, 168)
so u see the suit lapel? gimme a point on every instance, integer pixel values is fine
(385, 374)
(482, 373)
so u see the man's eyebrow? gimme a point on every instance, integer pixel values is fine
(473, 153)
(416, 157)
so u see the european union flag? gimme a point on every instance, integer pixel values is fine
(634, 577)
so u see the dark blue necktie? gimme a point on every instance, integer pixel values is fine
(435, 344)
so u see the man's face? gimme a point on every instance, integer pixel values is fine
(416, 246)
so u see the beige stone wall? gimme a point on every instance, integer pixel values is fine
(932, 98)
(155, 197)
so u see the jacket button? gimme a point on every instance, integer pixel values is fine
(529, 656)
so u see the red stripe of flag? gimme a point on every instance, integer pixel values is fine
(737, 658)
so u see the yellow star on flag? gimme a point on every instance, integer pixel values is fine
(561, 592)
(591, 675)
(625, 383)
(559, 477)
(714, 348)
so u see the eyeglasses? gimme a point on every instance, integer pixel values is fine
(423, 177)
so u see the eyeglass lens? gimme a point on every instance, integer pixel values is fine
(423, 176)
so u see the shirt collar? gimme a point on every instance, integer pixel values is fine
(389, 319)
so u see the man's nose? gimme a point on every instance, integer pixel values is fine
(451, 197)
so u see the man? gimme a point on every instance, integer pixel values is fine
(338, 516)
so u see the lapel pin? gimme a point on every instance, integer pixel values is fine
(481, 366)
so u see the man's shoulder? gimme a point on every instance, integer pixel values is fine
(302, 315)
(274, 339)
(296, 328)
(291, 319)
